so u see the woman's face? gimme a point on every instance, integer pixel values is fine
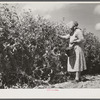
(72, 30)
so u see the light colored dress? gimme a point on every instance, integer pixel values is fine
(77, 62)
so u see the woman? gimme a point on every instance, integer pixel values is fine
(76, 40)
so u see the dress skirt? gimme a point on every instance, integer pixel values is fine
(76, 62)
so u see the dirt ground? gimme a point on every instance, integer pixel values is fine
(89, 82)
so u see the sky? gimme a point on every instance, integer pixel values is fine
(87, 14)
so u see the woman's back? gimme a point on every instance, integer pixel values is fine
(77, 36)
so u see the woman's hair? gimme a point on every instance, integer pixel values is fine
(75, 23)
(72, 24)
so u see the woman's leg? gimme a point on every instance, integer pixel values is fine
(77, 77)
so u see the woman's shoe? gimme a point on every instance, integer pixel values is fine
(84, 79)
(75, 81)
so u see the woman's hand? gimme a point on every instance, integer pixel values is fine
(75, 41)
(72, 42)
(59, 35)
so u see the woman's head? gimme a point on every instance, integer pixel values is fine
(72, 24)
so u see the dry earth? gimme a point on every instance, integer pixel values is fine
(90, 82)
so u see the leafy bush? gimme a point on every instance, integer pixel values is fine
(92, 53)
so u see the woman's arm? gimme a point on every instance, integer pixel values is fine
(65, 36)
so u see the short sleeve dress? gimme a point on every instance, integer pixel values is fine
(77, 62)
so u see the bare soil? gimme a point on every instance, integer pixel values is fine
(89, 82)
